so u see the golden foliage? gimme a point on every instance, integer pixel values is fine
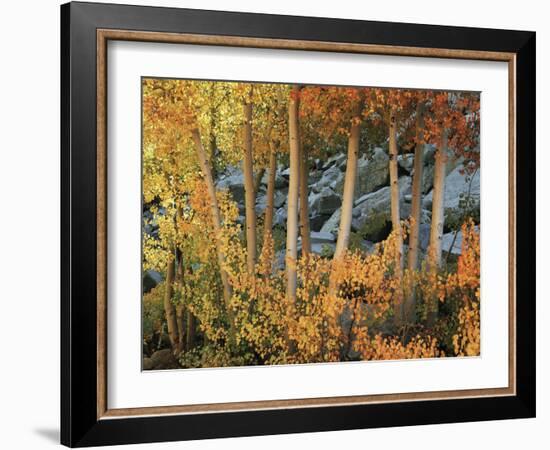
(465, 284)
(380, 348)
(344, 307)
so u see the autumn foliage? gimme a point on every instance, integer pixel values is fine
(230, 309)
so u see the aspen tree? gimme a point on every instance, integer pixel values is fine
(293, 193)
(304, 206)
(395, 212)
(249, 186)
(416, 206)
(349, 184)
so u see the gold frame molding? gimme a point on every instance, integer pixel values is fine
(103, 36)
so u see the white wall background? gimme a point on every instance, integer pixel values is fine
(29, 224)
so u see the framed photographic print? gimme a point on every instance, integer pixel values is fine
(276, 224)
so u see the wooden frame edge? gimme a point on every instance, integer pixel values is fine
(103, 35)
(303, 403)
(289, 44)
(512, 229)
(101, 225)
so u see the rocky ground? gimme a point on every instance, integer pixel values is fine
(371, 213)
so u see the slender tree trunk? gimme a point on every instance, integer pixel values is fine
(169, 309)
(410, 303)
(249, 188)
(258, 179)
(346, 212)
(293, 193)
(349, 188)
(180, 308)
(212, 145)
(180, 318)
(395, 215)
(216, 222)
(186, 319)
(269, 207)
(438, 219)
(304, 206)
(190, 334)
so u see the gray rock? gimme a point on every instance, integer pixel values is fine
(336, 160)
(456, 187)
(235, 184)
(372, 213)
(424, 236)
(427, 178)
(230, 171)
(261, 202)
(150, 222)
(320, 248)
(147, 363)
(151, 228)
(285, 173)
(332, 224)
(313, 178)
(372, 173)
(331, 178)
(280, 216)
(280, 198)
(164, 359)
(447, 240)
(324, 202)
(406, 161)
(429, 154)
(320, 237)
(280, 181)
(383, 195)
(316, 222)
(150, 279)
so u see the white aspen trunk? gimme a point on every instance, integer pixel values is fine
(304, 206)
(349, 189)
(269, 207)
(344, 228)
(410, 302)
(249, 188)
(438, 217)
(169, 309)
(293, 192)
(395, 214)
(216, 222)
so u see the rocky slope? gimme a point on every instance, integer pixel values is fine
(371, 212)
